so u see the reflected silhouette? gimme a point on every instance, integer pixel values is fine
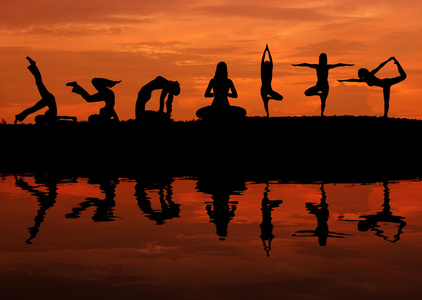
(371, 80)
(169, 209)
(169, 90)
(267, 207)
(104, 207)
(321, 212)
(321, 88)
(105, 94)
(47, 100)
(267, 92)
(371, 222)
(221, 209)
(221, 88)
(46, 200)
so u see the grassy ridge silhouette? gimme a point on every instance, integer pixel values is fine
(285, 148)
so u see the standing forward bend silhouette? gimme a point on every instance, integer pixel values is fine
(221, 88)
(169, 90)
(371, 80)
(267, 92)
(105, 94)
(47, 100)
(321, 88)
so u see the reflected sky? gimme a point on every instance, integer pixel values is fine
(208, 237)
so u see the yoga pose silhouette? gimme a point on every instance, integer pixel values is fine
(221, 88)
(103, 86)
(267, 92)
(47, 100)
(169, 89)
(371, 80)
(321, 88)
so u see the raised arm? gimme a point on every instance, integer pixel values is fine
(269, 55)
(374, 71)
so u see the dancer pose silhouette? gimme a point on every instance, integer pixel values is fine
(321, 88)
(169, 90)
(105, 94)
(221, 88)
(267, 92)
(371, 80)
(47, 100)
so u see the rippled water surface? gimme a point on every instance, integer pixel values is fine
(207, 238)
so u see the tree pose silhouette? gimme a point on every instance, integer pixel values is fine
(321, 88)
(267, 92)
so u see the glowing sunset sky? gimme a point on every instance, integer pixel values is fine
(135, 41)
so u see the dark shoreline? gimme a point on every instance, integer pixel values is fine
(336, 149)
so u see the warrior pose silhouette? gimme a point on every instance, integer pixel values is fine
(267, 92)
(105, 94)
(47, 100)
(321, 88)
(371, 80)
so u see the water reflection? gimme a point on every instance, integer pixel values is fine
(321, 212)
(46, 199)
(221, 209)
(375, 222)
(164, 189)
(104, 208)
(267, 207)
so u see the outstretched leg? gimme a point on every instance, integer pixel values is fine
(386, 94)
(39, 105)
(77, 89)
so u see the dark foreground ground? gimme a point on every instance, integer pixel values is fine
(285, 148)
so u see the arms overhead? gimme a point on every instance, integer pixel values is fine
(269, 55)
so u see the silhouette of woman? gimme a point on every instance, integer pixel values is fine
(169, 89)
(321, 88)
(385, 83)
(47, 100)
(103, 86)
(267, 92)
(220, 87)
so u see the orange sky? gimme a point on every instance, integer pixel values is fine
(135, 41)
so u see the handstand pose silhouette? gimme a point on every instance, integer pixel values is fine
(103, 86)
(321, 88)
(47, 100)
(221, 88)
(267, 92)
(169, 89)
(385, 83)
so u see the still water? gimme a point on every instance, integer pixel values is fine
(189, 238)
